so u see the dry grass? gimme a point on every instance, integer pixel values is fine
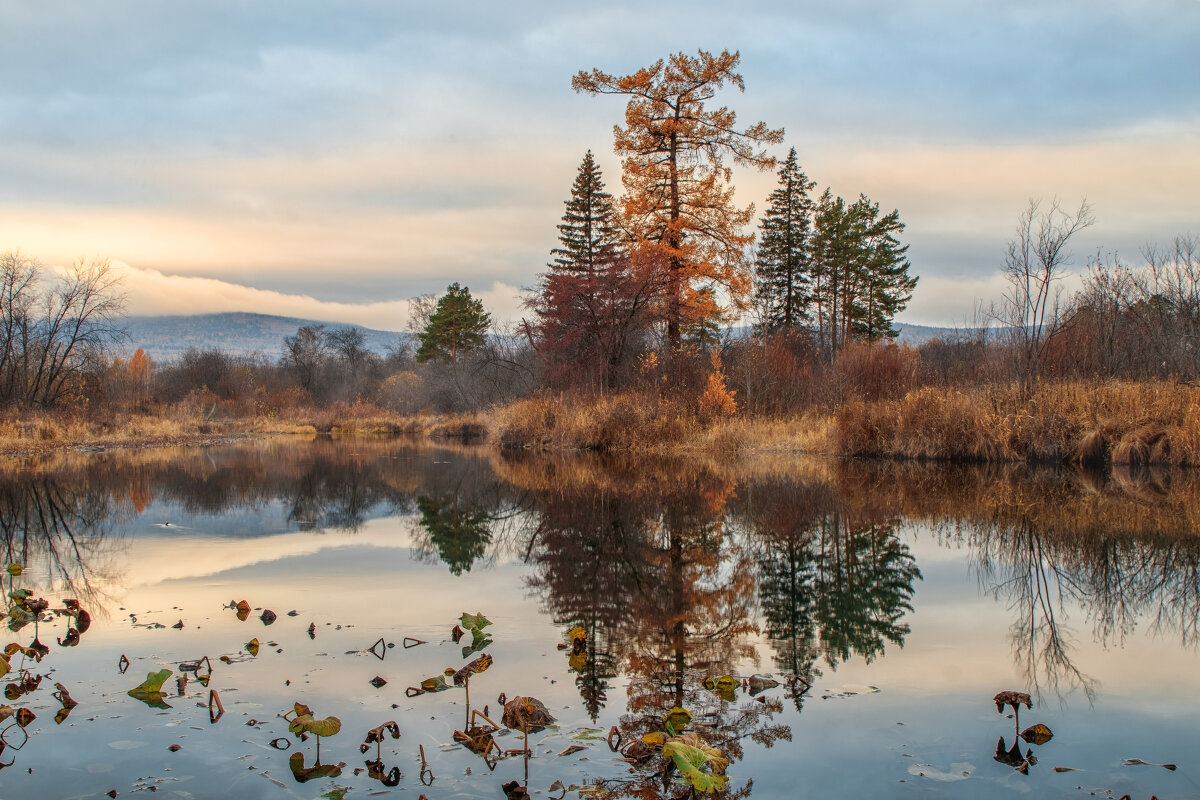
(1122, 423)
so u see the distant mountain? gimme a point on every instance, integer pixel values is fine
(165, 338)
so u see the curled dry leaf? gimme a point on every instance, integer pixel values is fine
(268, 616)
(1011, 698)
(526, 713)
(472, 668)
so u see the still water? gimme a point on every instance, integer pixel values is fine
(862, 616)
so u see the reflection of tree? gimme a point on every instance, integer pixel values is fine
(665, 588)
(827, 588)
(864, 585)
(61, 526)
(458, 531)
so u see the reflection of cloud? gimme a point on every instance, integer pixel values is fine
(157, 557)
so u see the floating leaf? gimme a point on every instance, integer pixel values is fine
(25, 716)
(526, 714)
(572, 749)
(758, 683)
(472, 668)
(268, 616)
(676, 720)
(475, 622)
(153, 683)
(252, 647)
(15, 569)
(435, 684)
(378, 682)
(690, 756)
(1037, 734)
(150, 691)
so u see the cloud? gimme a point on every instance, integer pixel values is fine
(151, 292)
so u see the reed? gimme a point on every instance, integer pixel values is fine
(1076, 422)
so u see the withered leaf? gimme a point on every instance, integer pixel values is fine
(527, 714)
(1037, 734)
(1011, 698)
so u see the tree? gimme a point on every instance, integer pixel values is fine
(784, 261)
(592, 300)
(306, 354)
(53, 334)
(1035, 263)
(458, 325)
(860, 272)
(678, 201)
(589, 231)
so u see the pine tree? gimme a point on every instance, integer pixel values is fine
(784, 262)
(592, 301)
(887, 286)
(458, 325)
(588, 231)
(860, 272)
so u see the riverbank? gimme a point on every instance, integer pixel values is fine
(1086, 423)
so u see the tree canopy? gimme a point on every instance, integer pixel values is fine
(678, 200)
(457, 325)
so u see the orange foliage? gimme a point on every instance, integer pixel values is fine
(679, 201)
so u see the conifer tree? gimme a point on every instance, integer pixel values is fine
(860, 271)
(458, 325)
(784, 261)
(593, 299)
(678, 199)
(588, 231)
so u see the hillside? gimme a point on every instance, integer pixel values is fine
(166, 337)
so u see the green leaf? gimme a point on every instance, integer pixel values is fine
(479, 641)
(676, 720)
(690, 756)
(475, 622)
(153, 682)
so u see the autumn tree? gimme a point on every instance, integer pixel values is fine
(678, 199)
(457, 325)
(593, 299)
(784, 260)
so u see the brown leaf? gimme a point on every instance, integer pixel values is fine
(526, 713)
(1037, 734)
(575, 748)
(1011, 698)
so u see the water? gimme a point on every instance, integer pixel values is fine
(889, 603)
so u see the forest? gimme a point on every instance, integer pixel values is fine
(671, 317)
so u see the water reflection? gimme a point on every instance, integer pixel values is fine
(677, 574)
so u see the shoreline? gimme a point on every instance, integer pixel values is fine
(1094, 424)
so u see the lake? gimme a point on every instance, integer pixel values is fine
(829, 629)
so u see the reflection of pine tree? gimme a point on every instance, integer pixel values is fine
(460, 533)
(864, 586)
(786, 594)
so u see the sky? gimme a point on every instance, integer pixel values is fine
(330, 160)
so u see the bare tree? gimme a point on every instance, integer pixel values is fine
(306, 354)
(53, 332)
(1035, 264)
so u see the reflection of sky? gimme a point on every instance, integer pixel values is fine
(933, 705)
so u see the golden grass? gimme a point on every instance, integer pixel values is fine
(1118, 422)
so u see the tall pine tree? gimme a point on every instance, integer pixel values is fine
(588, 231)
(593, 299)
(784, 263)
(860, 272)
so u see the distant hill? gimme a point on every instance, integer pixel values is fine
(166, 337)
(241, 333)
